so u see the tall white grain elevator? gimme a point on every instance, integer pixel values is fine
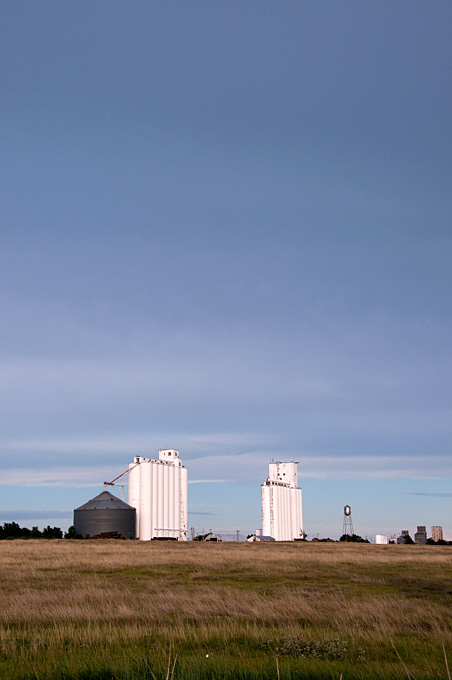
(282, 512)
(158, 489)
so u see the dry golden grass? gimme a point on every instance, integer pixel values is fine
(91, 594)
(277, 585)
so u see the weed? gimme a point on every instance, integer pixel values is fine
(329, 648)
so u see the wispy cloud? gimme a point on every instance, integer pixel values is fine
(207, 481)
(192, 445)
(207, 514)
(65, 477)
(93, 470)
(14, 515)
(422, 493)
(376, 467)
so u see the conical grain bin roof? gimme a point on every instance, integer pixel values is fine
(105, 501)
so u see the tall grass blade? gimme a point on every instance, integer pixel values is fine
(445, 660)
(411, 677)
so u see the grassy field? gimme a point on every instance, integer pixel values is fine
(91, 610)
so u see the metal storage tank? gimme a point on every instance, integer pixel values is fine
(105, 514)
(380, 539)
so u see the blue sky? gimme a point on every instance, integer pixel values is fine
(226, 228)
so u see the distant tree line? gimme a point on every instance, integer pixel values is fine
(13, 530)
(353, 538)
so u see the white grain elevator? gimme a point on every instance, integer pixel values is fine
(282, 512)
(158, 489)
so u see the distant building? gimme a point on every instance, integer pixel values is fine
(437, 534)
(259, 538)
(403, 535)
(282, 514)
(421, 535)
(381, 540)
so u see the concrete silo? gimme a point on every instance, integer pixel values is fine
(158, 489)
(282, 513)
(105, 514)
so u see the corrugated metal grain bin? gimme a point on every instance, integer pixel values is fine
(105, 514)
